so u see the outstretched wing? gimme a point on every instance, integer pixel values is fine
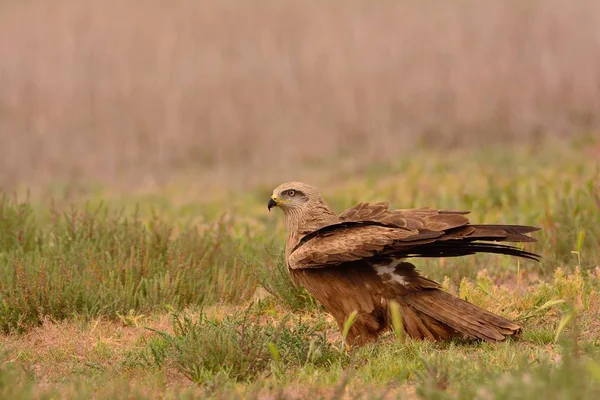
(371, 230)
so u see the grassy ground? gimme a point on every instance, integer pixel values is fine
(183, 292)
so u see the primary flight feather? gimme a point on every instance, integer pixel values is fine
(355, 261)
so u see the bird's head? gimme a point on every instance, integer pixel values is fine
(294, 196)
(303, 208)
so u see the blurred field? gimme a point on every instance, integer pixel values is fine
(242, 92)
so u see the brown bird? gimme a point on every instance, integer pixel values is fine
(355, 261)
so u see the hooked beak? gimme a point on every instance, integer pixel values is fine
(272, 203)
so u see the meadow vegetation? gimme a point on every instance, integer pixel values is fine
(170, 296)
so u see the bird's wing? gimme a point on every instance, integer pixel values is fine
(412, 218)
(352, 241)
(421, 232)
(455, 224)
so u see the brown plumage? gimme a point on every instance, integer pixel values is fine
(356, 261)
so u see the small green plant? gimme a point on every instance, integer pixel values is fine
(397, 321)
(275, 278)
(238, 347)
(347, 325)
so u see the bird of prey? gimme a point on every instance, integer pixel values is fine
(356, 261)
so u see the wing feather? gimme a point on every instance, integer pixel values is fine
(411, 218)
(372, 230)
(343, 243)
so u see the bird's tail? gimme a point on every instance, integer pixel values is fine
(438, 315)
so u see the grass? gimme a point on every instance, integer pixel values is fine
(163, 295)
(95, 263)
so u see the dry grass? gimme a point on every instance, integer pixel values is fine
(100, 353)
(116, 91)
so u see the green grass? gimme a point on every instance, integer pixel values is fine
(179, 294)
(92, 262)
(238, 348)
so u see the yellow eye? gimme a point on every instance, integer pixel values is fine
(291, 193)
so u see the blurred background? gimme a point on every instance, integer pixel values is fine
(130, 93)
